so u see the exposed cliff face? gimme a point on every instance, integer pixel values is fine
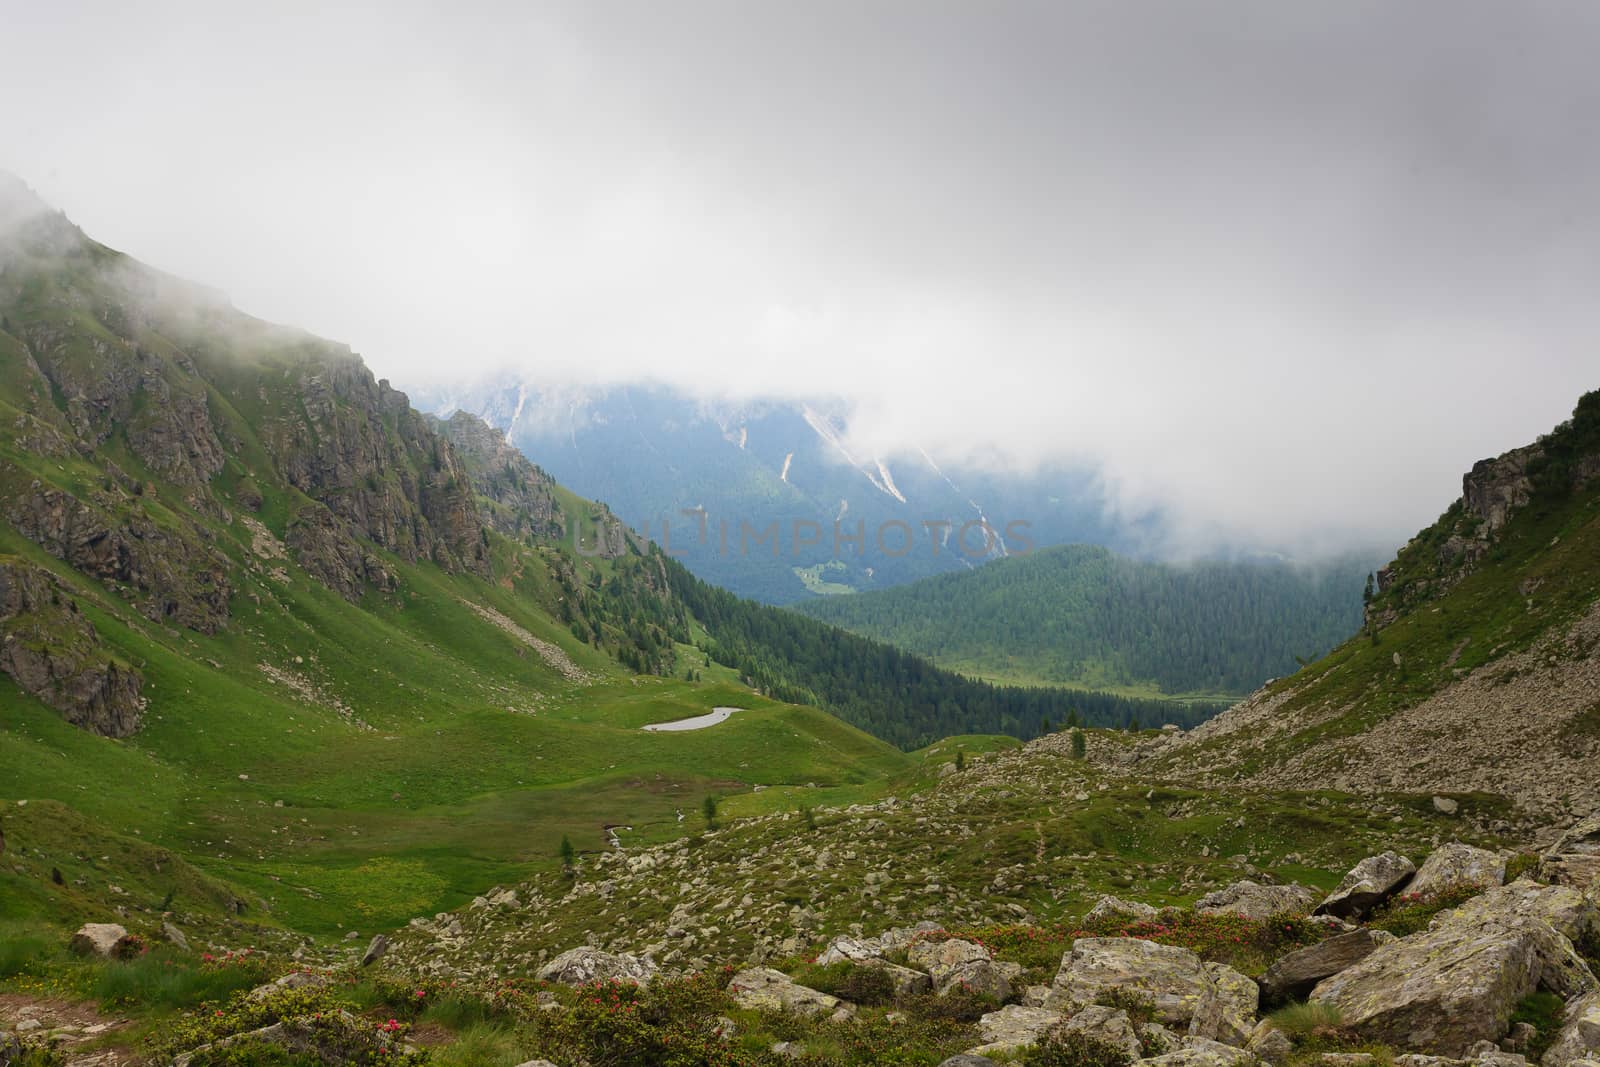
(53, 652)
(356, 446)
(171, 574)
(515, 497)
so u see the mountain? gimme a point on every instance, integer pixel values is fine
(347, 661)
(1476, 672)
(1079, 615)
(325, 718)
(653, 453)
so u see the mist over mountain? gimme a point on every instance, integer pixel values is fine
(791, 508)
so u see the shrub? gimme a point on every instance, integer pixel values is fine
(1072, 1048)
(847, 981)
(960, 1005)
(670, 1023)
(1248, 945)
(1411, 912)
(1544, 1012)
(1139, 1007)
(1520, 864)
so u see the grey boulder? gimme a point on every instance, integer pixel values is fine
(1456, 984)
(1456, 865)
(1294, 976)
(1369, 883)
(1254, 901)
(585, 966)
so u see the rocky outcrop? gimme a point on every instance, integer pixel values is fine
(1368, 884)
(356, 446)
(1254, 901)
(583, 966)
(515, 497)
(1294, 976)
(171, 574)
(1444, 990)
(1455, 865)
(327, 548)
(52, 651)
(1494, 488)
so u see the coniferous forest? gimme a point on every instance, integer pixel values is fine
(900, 697)
(1078, 615)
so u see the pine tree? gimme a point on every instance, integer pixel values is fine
(710, 810)
(961, 760)
(1080, 747)
(569, 855)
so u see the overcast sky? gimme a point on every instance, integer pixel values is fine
(1286, 268)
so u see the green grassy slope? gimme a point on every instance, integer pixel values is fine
(1077, 615)
(338, 751)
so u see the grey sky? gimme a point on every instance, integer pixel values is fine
(1285, 267)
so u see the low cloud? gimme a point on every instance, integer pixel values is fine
(1283, 274)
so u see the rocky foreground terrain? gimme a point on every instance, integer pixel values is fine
(1472, 957)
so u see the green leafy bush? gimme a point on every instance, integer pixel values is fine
(1248, 945)
(1544, 1012)
(847, 981)
(1071, 1048)
(960, 1005)
(1411, 912)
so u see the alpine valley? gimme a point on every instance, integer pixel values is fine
(334, 730)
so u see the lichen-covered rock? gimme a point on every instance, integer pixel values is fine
(1199, 1052)
(1229, 1014)
(1255, 901)
(764, 989)
(292, 980)
(1110, 907)
(1369, 883)
(97, 939)
(955, 963)
(1455, 865)
(905, 981)
(853, 949)
(1110, 1025)
(1173, 978)
(1446, 989)
(1293, 976)
(582, 966)
(1575, 859)
(1270, 1044)
(1014, 1027)
(1579, 1038)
